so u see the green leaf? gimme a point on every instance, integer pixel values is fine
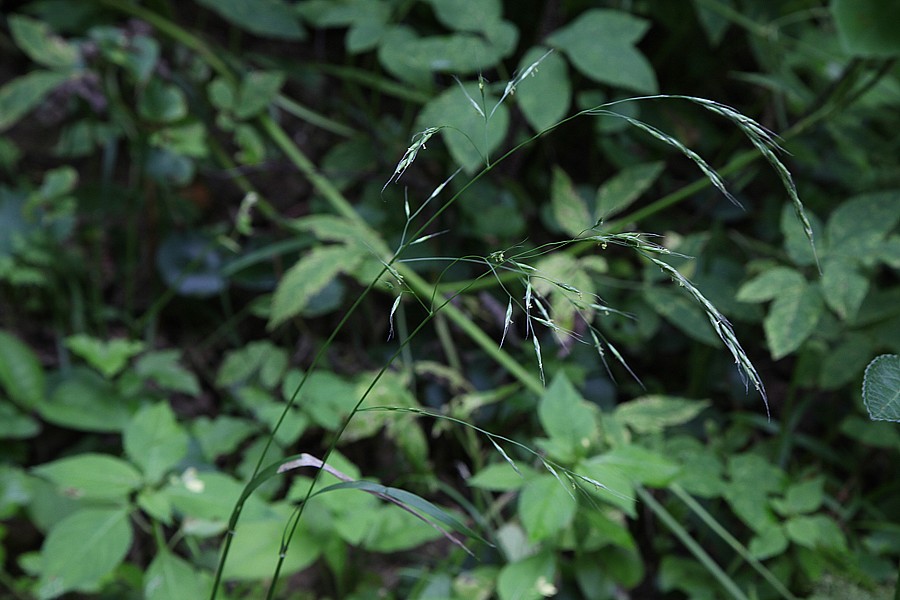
(770, 284)
(21, 374)
(263, 358)
(815, 531)
(844, 287)
(58, 183)
(640, 465)
(467, 15)
(221, 435)
(306, 278)
(566, 416)
(682, 312)
(546, 94)
(155, 441)
(620, 191)
(22, 94)
(857, 228)
(86, 401)
(615, 487)
(795, 241)
(528, 579)
(265, 18)
(170, 577)
(652, 414)
(210, 496)
(768, 543)
(40, 44)
(91, 476)
(327, 398)
(163, 102)
(163, 368)
(501, 477)
(82, 549)
(881, 388)
(791, 319)
(14, 424)
(257, 91)
(469, 137)
(108, 357)
(546, 507)
(868, 27)
(803, 497)
(600, 43)
(569, 209)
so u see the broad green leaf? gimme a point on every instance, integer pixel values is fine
(306, 278)
(467, 15)
(21, 374)
(109, 357)
(881, 388)
(683, 312)
(15, 490)
(163, 368)
(156, 504)
(753, 479)
(815, 531)
(162, 102)
(566, 416)
(40, 44)
(528, 579)
(844, 287)
(261, 358)
(546, 94)
(796, 244)
(857, 228)
(221, 435)
(82, 549)
(792, 318)
(155, 441)
(21, 95)
(15, 424)
(546, 507)
(569, 209)
(86, 401)
(768, 543)
(652, 414)
(211, 496)
(393, 530)
(187, 139)
(640, 465)
(470, 137)
(615, 487)
(92, 476)
(170, 577)
(847, 360)
(600, 43)
(620, 191)
(327, 398)
(802, 497)
(265, 18)
(771, 284)
(256, 92)
(701, 468)
(868, 27)
(501, 477)
(58, 182)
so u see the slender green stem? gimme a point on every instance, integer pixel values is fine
(723, 533)
(691, 544)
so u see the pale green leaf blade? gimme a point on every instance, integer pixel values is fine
(770, 284)
(163, 368)
(257, 90)
(545, 507)
(620, 191)
(467, 15)
(82, 549)
(881, 388)
(654, 413)
(600, 43)
(40, 44)
(21, 374)
(640, 465)
(266, 18)
(21, 95)
(108, 357)
(569, 208)
(86, 401)
(257, 547)
(155, 441)
(857, 228)
(170, 577)
(565, 415)
(92, 476)
(545, 95)
(791, 319)
(844, 287)
(528, 579)
(306, 278)
(501, 477)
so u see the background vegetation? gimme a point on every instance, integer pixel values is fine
(607, 364)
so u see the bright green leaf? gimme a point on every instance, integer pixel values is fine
(82, 549)
(600, 43)
(467, 15)
(618, 192)
(93, 476)
(21, 95)
(802, 497)
(170, 577)
(258, 89)
(881, 388)
(40, 44)
(652, 414)
(58, 182)
(545, 95)
(307, 277)
(546, 507)
(565, 415)
(815, 531)
(14, 424)
(768, 543)
(844, 287)
(792, 318)
(265, 18)
(21, 374)
(529, 579)
(683, 312)
(155, 441)
(640, 465)
(501, 477)
(770, 284)
(87, 402)
(857, 228)
(615, 487)
(108, 357)
(569, 209)
(796, 244)
(163, 368)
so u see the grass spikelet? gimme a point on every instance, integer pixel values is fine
(418, 143)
